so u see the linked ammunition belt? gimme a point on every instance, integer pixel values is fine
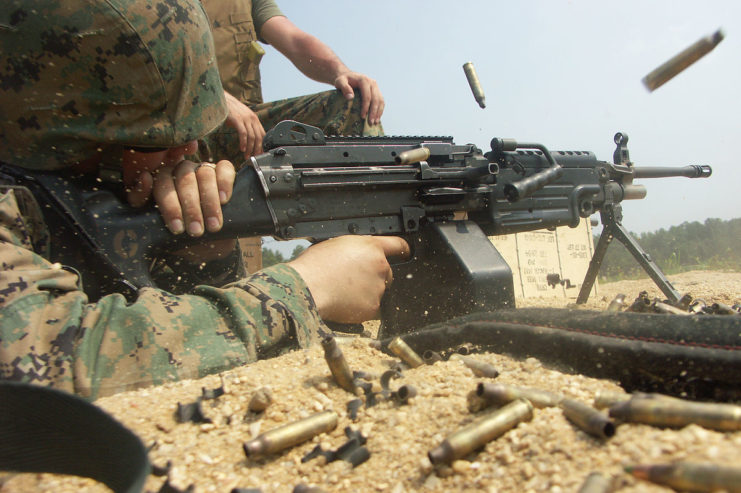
(696, 357)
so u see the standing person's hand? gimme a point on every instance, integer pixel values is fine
(372, 104)
(348, 275)
(247, 124)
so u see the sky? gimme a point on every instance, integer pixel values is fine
(563, 73)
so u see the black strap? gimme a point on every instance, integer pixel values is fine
(46, 430)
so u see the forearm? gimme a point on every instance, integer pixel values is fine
(309, 54)
(52, 336)
(316, 60)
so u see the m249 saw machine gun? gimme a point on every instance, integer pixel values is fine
(444, 198)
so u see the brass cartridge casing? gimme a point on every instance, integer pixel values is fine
(676, 413)
(286, 436)
(723, 309)
(406, 392)
(406, 353)
(617, 304)
(431, 357)
(479, 368)
(588, 419)
(483, 430)
(662, 307)
(260, 400)
(413, 156)
(608, 399)
(498, 394)
(337, 364)
(597, 482)
(473, 81)
(662, 74)
(690, 476)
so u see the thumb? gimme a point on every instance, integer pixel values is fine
(139, 193)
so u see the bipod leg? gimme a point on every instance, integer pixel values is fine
(596, 262)
(613, 228)
(645, 261)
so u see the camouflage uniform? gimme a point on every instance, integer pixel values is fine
(84, 78)
(236, 26)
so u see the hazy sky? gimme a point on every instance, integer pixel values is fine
(563, 73)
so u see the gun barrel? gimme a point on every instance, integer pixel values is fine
(691, 171)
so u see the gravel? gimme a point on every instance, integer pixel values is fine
(547, 453)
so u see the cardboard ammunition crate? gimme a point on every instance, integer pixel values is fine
(533, 256)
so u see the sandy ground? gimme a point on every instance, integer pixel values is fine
(547, 453)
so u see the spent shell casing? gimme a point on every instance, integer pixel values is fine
(413, 156)
(473, 81)
(588, 419)
(662, 74)
(690, 476)
(498, 394)
(723, 309)
(483, 430)
(261, 399)
(661, 307)
(608, 399)
(406, 353)
(286, 436)
(479, 368)
(431, 357)
(337, 364)
(617, 304)
(677, 413)
(597, 482)
(605, 399)
(406, 392)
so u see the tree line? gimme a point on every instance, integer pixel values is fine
(712, 245)
(272, 257)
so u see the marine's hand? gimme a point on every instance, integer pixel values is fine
(373, 103)
(190, 195)
(348, 275)
(247, 125)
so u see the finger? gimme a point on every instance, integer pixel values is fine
(186, 185)
(225, 174)
(166, 198)
(345, 88)
(242, 133)
(139, 194)
(366, 94)
(258, 133)
(377, 106)
(251, 137)
(393, 246)
(208, 192)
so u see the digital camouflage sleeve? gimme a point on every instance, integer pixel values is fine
(50, 334)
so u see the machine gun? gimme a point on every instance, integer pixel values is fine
(445, 199)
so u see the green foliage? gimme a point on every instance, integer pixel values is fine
(297, 251)
(689, 246)
(272, 257)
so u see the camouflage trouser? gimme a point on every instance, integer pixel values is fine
(327, 110)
